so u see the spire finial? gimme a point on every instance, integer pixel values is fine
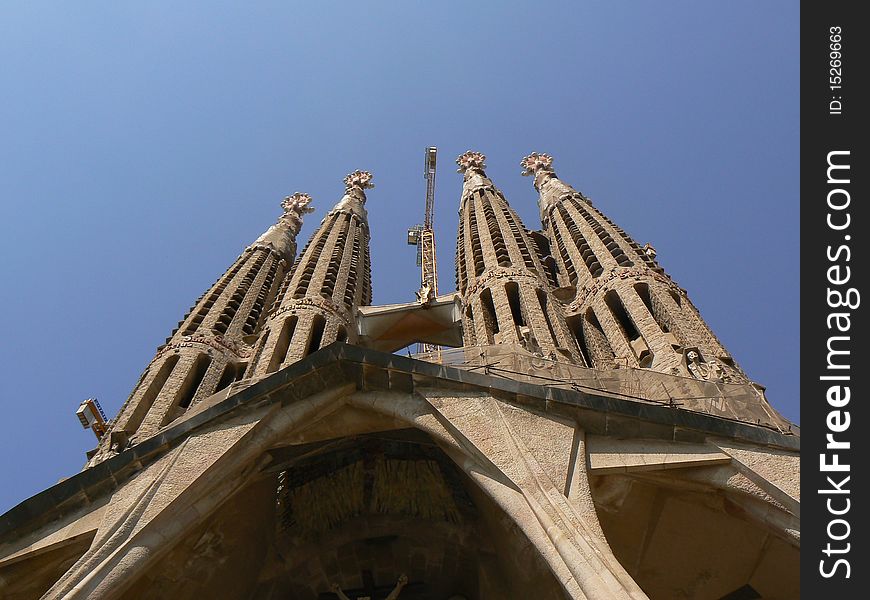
(295, 208)
(471, 160)
(536, 162)
(358, 179)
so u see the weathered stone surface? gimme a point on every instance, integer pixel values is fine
(519, 474)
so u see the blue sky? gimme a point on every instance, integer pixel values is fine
(144, 145)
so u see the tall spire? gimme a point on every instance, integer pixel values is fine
(626, 310)
(503, 283)
(209, 349)
(317, 303)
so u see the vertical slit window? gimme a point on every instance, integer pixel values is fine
(469, 334)
(542, 299)
(513, 294)
(653, 306)
(476, 249)
(151, 393)
(227, 377)
(575, 324)
(600, 350)
(279, 354)
(193, 381)
(317, 329)
(342, 334)
(614, 303)
(490, 320)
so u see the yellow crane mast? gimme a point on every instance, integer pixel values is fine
(423, 236)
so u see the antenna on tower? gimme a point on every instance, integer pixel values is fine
(423, 236)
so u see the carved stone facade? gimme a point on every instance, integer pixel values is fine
(591, 439)
(316, 305)
(626, 311)
(505, 288)
(210, 348)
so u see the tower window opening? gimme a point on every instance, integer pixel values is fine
(279, 354)
(151, 393)
(575, 324)
(317, 328)
(259, 349)
(310, 265)
(329, 279)
(615, 250)
(366, 298)
(257, 308)
(470, 335)
(643, 291)
(495, 234)
(600, 350)
(580, 243)
(489, 317)
(513, 294)
(461, 275)
(342, 334)
(227, 376)
(476, 250)
(614, 303)
(542, 299)
(194, 379)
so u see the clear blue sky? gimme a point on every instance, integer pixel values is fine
(144, 145)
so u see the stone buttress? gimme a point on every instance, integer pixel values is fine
(626, 312)
(317, 303)
(504, 286)
(210, 348)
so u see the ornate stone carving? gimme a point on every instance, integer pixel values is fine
(535, 162)
(217, 342)
(471, 160)
(295, 207)
(358, 179)
(600, 284)
(709, 370)
(313, 302)
(511, 274)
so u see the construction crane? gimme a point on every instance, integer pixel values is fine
(423, 236)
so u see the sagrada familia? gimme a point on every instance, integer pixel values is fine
(577, 432)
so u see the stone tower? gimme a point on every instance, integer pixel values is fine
(626, 310)
(316, 305)
(210, 349)
(504, 286)
(588, 438)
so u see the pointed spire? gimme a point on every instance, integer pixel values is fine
(472, 165)
(551, 189)
(281, 236)
(471, 160)
(354, 199)
(539, 165)
(295, 208)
